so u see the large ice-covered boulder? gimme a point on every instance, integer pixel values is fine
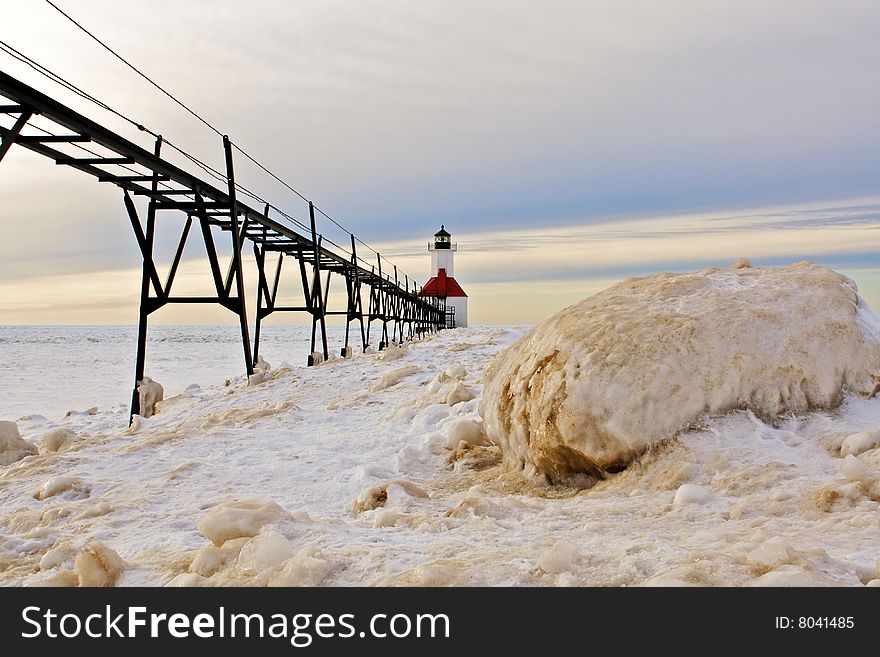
(590, 388)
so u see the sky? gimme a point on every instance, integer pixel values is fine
(566, 145)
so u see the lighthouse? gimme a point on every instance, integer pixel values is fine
(442, 283)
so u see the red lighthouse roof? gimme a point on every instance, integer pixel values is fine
(442, 285)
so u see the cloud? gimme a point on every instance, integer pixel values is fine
(511, 276)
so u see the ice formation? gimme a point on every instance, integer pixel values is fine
(261, 372)
(150, 393)
(12, 446)
(458, 393)
(63, 484)
(590, 388)
(97, 565)
(465, 430)
(374, 497)
(239, 518)
(58, 439)
(862, 441)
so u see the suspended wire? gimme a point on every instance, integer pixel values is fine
(221, 177)
(131, 66)
(20, 56)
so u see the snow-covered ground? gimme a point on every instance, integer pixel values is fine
(353, 472)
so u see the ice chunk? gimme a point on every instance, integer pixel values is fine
(211, 558)
(307, 567)
(58, 439)
(856, 443)
(150, 393)
(386, 518)
(240, 518)
(853, 469)
(593, 386)
(456, 371)
(97, 565)
(773, 552)
(559, 558)
(261, 372)
(465, 430)
(459, 393)
(691, 494)
(12, 446)
(63, 484)
(57, 556)
(264, 551)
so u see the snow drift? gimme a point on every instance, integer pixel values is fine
(590, 388)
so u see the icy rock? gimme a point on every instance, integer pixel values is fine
(261, 372)
(467, 431)
(57, 556)
(150, 393)
(97, 565)
(58, 439)
(306, 568)
(456, 371)
(12, 446)
(857, 443)
(459, 393)
(264, 551)
(386, 518)
(62, 484)
(211, 558)
(691, 494)
(240, 518)
(559, 558)
(434, 574)
(853, 469)
(772, 552)
(593, 386)
(377, 496)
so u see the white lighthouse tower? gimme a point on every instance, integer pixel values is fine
(442, 283)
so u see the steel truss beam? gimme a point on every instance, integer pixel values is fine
(140, 173)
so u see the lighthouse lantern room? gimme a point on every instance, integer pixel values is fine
(442, 283)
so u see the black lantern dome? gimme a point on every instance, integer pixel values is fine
(442, 239)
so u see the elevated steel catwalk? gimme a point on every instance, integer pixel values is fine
(139, 173)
